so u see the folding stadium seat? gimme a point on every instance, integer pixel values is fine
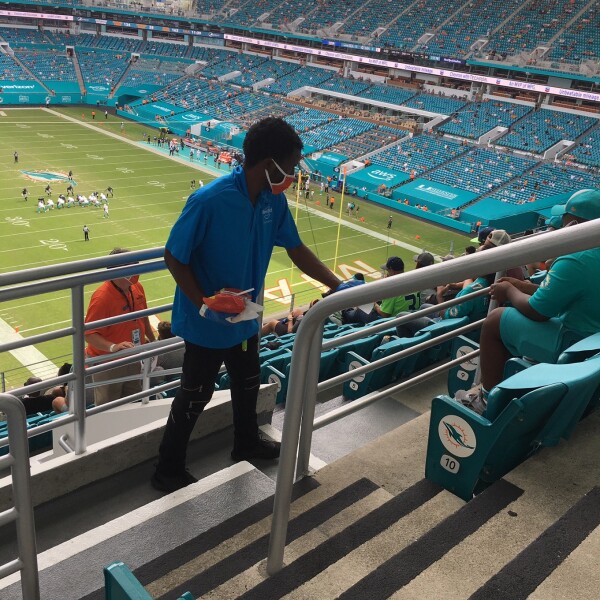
(534, 408)
(374, 380)
(462, 376)
(441, 351)
(121, 584)
(363, 347)
(269, 374)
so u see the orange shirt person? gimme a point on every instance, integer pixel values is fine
(113, 298)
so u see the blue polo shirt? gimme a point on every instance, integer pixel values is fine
(568, 292)
(228, 243)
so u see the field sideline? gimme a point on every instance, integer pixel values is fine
(150, 190)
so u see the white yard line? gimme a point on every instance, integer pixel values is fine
(29, 357)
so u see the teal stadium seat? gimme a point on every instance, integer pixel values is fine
(363, 384)
(363, 347)
(441, 351)
(270, 374)
(121, 584)
(462, 376)
(535, 408)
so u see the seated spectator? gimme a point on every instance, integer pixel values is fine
(425, 259)
(543, 319)
(390, 306)
(499, 237)
(286, 325)
(168, 360)
(52, 399)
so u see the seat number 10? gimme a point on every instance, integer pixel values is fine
(450, 464)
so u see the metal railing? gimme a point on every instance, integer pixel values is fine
(22, 511)
(299, 421)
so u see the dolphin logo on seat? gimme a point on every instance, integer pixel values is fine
(457, 436)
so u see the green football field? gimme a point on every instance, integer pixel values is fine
(150, 190)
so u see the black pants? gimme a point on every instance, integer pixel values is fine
(200, 369)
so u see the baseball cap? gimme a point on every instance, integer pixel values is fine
(394, 263)
(499, 237)
(425, 259)
(483, 234)
(584, 204)
(554, 222)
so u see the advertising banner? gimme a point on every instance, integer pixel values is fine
(422, 191)
(371, 178)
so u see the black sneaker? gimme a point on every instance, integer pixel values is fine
(262, 450)
(172, 483)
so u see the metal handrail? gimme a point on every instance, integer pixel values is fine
(22, 512)
(304, 369)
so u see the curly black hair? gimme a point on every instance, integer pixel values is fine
(271, 137)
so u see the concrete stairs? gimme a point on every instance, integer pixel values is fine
(79, 74)
(366, 526)
(28, 70)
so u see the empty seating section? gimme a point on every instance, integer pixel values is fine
(156, 48)
(367, 142)
(581, 40)
(456, 37)
(386, 93)
(372, 15)
(344, 86)
(547, 181)
(248, 11)
(477, 118)
(334, 133)
(288, 11)
(270, 69)
(136, 77)
(539, 21)
(304, 76)
(12, 71)
(480, 170)
(195, 93)
(207, 7)
(241, 105)
(435, 104)
(541, 129)
(49, 66)
(419, 154)
(309, 118)
(22, 38)
(81, 39)
(423, 17)
(588, 150)
(328, 13)
(119, 44)
(233, 62)
(101, 67)
(281, 110)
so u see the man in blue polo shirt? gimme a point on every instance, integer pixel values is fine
(543, 320)
(224, 238)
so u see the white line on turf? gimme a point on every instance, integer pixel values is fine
(29, 357)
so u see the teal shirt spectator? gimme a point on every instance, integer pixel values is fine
(228, 243)
(568, 292)
(476, 308)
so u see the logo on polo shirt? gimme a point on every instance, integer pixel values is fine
(267, 213)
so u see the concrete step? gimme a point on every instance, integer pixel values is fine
(366, 526)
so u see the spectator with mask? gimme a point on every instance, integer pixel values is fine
(209, 253)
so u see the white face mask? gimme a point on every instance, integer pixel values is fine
(284, 184)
